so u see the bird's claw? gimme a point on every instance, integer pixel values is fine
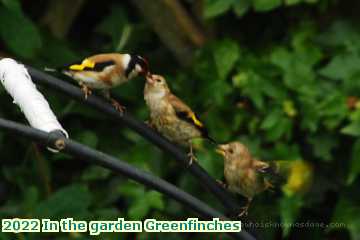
(221, 183)
(86, 90)
(243, 211)
(118, 106)
(192, 158)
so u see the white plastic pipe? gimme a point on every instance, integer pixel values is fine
(18, 84)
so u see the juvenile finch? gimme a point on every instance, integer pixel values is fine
(248, 176)
(105, 71)
(171, 116)
(243, 173)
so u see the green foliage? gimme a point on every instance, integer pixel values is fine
(15, 28)
(277, 75)
(214, 8)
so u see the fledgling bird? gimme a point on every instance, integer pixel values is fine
(249, 176)
(243, 173)
(105, 71)
(171, 116)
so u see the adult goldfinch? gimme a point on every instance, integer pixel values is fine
(171, 116)
(105, 71)
(242, 172)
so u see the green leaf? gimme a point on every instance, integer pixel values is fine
(355, 163)
(115, 25)
(266, 5)
(271, 120)
(241, 7)
(226, 53)
(292, 2)
(13, 5)
(95, 173)
(347, 213)
(215, 8)
(342, 66)
(73, 200)
(289, 211)
(138, 209)
(323, 145)
(353, 129)
(88, 138)
(14, 29)
(155, 200)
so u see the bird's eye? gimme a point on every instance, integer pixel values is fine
(231, 151)
(158, 80)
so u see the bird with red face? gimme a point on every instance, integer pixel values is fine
(105, 71)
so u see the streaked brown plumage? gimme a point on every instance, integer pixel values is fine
(171, 116)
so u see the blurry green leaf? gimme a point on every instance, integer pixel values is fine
(87, 138)
(279, 130)
(14, 28)
(342, 67)
(214, 8)
(281, 57)
(155, 200)
(73, 200)
(226, 53)
(289, 211)
(347, 214)
(271, 120)
(132, 189)
(355, 162)
(13, 5)
(353, 129)
(266, 5)
(31, 198)
(241, 7)
(323, 145)
(341, 34)
(114, 25)
(138, 209)
(95, 173)
(292, 2)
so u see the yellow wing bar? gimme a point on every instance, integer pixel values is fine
(195, 120)
(79, 67)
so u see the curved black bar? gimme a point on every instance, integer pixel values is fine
(121, 167)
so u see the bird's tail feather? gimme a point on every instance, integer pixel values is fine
(213, 141)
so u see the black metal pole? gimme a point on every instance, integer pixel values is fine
(99, 158)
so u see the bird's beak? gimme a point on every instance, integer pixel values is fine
(149, 79)
(221, 149)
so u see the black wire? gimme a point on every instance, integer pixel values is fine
(204, 178)
(96, 157)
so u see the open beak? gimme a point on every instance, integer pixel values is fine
(221, 149)
(149, 78)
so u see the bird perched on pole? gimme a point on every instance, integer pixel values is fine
(249, 176)
(242, 172)
(171, 116)
(105, 71)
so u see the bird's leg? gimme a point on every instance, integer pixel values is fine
(115, 103)
(85, 89)
(191, 155)
(269, 186)
(244, 210)
(222, 184)
(149, 124)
